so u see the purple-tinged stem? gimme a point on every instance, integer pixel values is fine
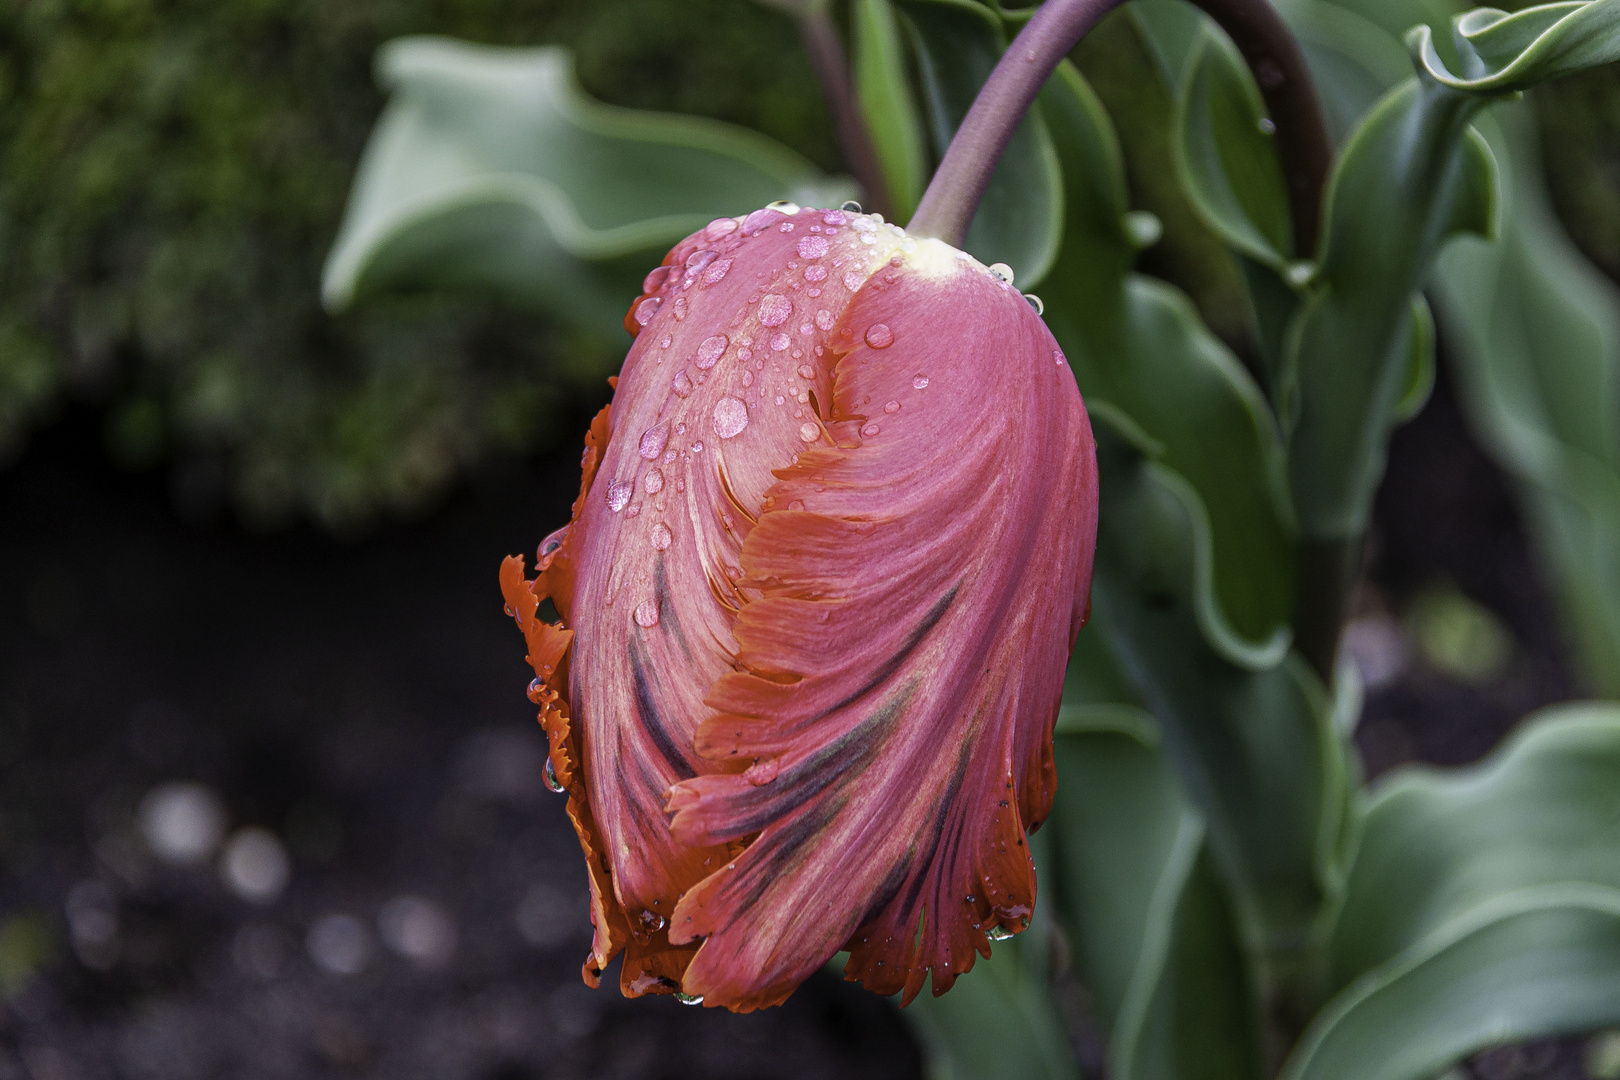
(831, 63)
(1272, 54)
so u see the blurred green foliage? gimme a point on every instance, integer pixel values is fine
(173, 173)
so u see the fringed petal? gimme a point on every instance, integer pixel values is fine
(911, 598)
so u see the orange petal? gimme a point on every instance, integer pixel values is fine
(912, 599)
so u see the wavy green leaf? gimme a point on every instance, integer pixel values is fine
(887, 104)
(1150, 925)
(1140, 352)
(490, 169)
(1500, 53)
(958, 43)
(1483, 907)
(1413, 175)
(1226, 155)
(1258, 752)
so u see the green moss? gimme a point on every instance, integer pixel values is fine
(172, 173)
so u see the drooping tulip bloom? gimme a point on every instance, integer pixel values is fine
(832, 546)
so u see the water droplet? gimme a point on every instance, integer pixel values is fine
(647, 613)
(719, 227)
(681, 384)
(1058, 356)
(652, 922)
(783, 206)
(712, 349)
(730, 417)
(696, 261)
(796, 504)
(510, 613)
(634, 510)
(812, 247)
(863, 225)
(848, 206)
(665, 342)
(551, 543)
(688, 999)
(879, 336)
(758, 221)
(774, 310)
(655, 278)
(745, 355)
(1142, 228)
(780, 342)
(653, 441)
(853, 280)
(920, 382)
(1035, 302)
(806, 371)
(653, 483)
(551, 778)
(1002, 273)
(716, 271)
(680, 483)
(998, 933)
(891, 407)
(536, 688)
(870, 430)
(647, 309)
(618, 493)
(779, 400)
(697, 448)
(748, 378)
(680, 308)
(809, 432)
(815, 272)
(661, 539)
(1266, 126)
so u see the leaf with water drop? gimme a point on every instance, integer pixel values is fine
(491, 170)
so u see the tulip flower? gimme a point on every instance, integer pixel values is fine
(831, 549)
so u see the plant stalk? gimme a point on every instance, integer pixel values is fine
(831, 63)
(1262, 37)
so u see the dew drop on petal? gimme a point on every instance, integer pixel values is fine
(719, 227)
(1002, 273)
(653, 482)
(774, 310)
(998, 933)
(730, 417)
(681, 384)
(796, 504)
(711, 350)
(552, 783)
(807, 432)
(758, 221)
(780, 342)
(920, 382)
(783, 206)
(716, 271)
(1058, 356)
(853, 280)
(697, 448)
(824, 319)
(891, 407)
(806, 371)
(661, 539)
(698, 260)
(1036, 303)
(655, 278)
(879, 336)
(653, 441)
(748, 378)
(647, 309)
(680, 308)
(618, 493)
(812, 247)
(688, 999)
(870, 429)
(815, 272)
(647, 614)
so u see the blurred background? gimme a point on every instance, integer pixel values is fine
(270, 789)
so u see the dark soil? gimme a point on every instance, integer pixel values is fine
(365, 702)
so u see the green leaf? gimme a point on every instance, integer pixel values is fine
(887, 104)
(490, 169)
(1413, 175)
(1257, 752)
(1536, 330)
(999, 1021)
(1484, 907)
(1152, 931)
(1145, 362)
(1227, 157)
(1500, 53)
(958, 43)
(1419, 363)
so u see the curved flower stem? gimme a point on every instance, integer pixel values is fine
(1260, 35)
(827, 56)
